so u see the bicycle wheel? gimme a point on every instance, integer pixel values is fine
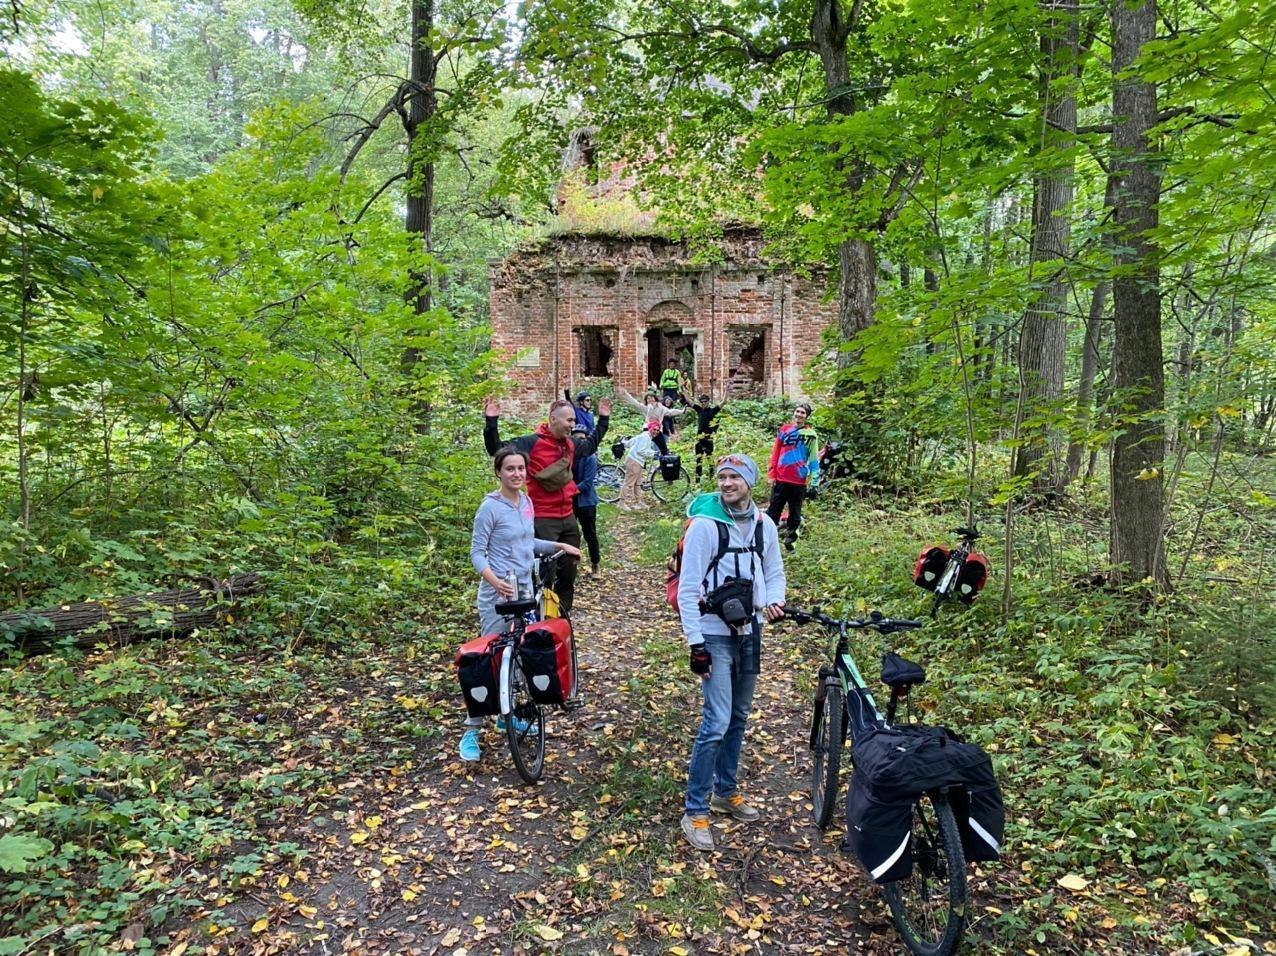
(670, 490)
(929, 907)
(525, 723)
(607, 483)
(827, 728)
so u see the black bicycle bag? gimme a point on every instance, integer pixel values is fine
(929, 566)
(670, 467)
(893, 767)
(477, 665)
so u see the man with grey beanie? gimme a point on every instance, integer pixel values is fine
(731, 579)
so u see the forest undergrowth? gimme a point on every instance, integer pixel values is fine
(146, 785)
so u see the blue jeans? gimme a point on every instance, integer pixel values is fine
(728, 697)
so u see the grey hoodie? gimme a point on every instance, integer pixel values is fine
(701, 546)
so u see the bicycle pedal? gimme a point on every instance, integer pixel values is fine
(576, 703)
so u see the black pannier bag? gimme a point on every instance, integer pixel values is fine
(545, 653)
(930, 565)
(893, 768)
(476, 669)
(618, 449)
(670, 467)
(972, 577)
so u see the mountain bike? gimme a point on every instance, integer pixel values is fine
(928, 907)
(523, 717)
(610, 477)
(947, 585)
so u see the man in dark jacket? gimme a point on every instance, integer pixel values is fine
(584, 406)
(551, 451)
(584, 473)
(706, 428)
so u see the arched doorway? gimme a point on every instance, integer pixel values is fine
(671, 336)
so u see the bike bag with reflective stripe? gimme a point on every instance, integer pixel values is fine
(896, 765)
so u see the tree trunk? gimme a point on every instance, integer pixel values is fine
(1085, 388)
(422, 103)
(121, 620)
(1137, 549)
(857, 292)
(856, 258)
(1042, 339)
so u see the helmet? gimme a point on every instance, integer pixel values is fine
(581, 396)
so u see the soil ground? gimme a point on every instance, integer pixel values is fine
(442, 856)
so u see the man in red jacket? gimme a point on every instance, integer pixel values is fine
(551, 451)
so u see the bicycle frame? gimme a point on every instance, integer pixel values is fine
(847, 674)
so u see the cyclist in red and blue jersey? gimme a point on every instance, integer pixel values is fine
(795, 466)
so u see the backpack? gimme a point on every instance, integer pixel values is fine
(674, 564)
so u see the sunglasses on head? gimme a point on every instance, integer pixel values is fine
(730, 460)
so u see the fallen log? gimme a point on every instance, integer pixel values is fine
(124, 619)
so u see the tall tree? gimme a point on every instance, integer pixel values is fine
(1136, 546)
(1042, 337)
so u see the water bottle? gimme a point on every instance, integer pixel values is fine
(512, 580)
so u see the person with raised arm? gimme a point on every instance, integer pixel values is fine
(551, 451)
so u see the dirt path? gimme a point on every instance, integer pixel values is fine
(447, 857)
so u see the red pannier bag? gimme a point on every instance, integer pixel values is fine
(930, 565)
(971, 580)
(478, 666)
(546, 655)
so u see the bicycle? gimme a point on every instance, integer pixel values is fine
(610, 477)
(928, 907)
(948, 582)
(523, 717)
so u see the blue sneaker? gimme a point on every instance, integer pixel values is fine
(470, 745)
(520, 726)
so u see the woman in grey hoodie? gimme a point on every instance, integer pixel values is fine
(503, 541)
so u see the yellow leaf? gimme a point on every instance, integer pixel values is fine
(372, 822)
(98, 193)
(260, 925)
(582, 871)
(677, 951)
(1224, 740)
(309, 912)
(408, 896)
(1073, 882)
(282, 880)
(359, 836)
(548, 933)
(778, 880)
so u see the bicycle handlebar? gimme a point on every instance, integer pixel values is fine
(875, 620)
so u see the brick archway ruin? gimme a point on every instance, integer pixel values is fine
(574, 310)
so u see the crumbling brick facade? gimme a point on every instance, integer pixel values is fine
(576, 309)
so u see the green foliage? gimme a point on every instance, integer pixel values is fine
(1126, 753)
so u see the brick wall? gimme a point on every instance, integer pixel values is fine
(627, 287)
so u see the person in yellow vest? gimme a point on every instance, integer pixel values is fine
(671, 382)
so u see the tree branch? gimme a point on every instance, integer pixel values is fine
(393, 105)
(373, 198)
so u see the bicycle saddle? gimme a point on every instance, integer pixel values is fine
(514, 608)
(898, 672)
(971, 533)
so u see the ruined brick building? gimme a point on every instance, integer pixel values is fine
(577, 308)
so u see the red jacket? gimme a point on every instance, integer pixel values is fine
(544, 449)
(544, 452)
